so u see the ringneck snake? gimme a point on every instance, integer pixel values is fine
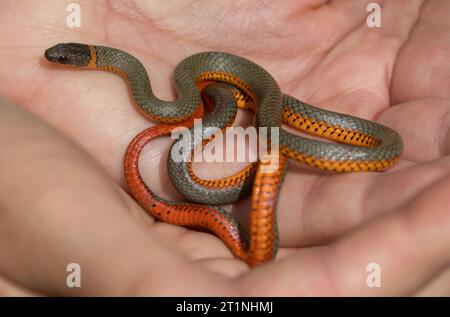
(360, 145)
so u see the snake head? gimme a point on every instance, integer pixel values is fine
(69, 54)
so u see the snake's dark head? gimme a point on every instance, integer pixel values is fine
(69, 54)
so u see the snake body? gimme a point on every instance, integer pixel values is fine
(363, 145)
(370, 146)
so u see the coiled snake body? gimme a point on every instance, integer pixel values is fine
(363, 145)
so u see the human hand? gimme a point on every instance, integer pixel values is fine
(59, 200)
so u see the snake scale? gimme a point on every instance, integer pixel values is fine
(360, 145)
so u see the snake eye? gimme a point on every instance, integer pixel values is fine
(62, 58)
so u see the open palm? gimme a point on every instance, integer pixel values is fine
(58, 205)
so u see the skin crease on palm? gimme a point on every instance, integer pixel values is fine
(62, 196)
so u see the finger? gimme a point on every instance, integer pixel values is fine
(60, 207)
(424, 127)
(410, 246)
(438, 286)
(323, 206)
(9, 288)
(423, 66)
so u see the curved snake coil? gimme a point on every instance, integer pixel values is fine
(362, 145)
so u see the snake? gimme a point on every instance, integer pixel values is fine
(225, 82)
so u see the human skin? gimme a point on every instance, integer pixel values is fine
(62, 194)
